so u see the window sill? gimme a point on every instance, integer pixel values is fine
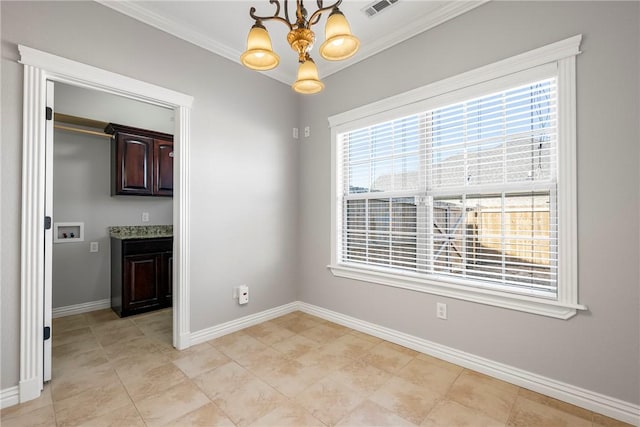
(549, 308)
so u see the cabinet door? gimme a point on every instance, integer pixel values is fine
(141, 287)
(163, 167)
(133, 165)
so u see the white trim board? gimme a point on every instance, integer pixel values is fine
(609, 406)
(241, 323)
(9, 397)
(84, 307)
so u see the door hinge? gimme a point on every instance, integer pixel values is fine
(47, 332)
(49, 113)
(47, 222)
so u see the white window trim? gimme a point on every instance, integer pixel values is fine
(561, 55)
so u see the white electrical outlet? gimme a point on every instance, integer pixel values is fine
(243, 294)
(93, 247)
(307, 131)
(441, 310)
(145, 216)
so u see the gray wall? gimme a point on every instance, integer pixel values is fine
(598, 349)
(243, 161)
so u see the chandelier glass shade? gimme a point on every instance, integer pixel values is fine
(339, 43)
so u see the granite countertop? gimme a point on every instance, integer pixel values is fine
(140, 231)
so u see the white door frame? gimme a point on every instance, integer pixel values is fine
(39, 67)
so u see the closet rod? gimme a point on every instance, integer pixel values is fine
(87, 132)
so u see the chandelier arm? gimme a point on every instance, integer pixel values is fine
(286, 11)
(318, 13)
(275, 17)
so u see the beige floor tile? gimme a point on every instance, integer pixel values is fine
(67, 337)
(223, 381)
(288, 415)
(488, 395)
(68, 323)
(527, 413)
(295, 346)
(329, 400)
(90, 404)
(118, 352)
(555, 403)
(41, 417)
(447, 414)
(111, 325)
(406, 399)
(72, 363)
(153, 381)
(323, 334)
(269, 332)
(78, 381)
(361, 376)
(297, 324)
(165, 406)
(290, 377)
(199, 362)
(120, 335)
(387, 357)
(127, 416)
(208, 415)
(438, 377)
(261, 359)
(139, 363)
(349, 346)
(75, 347)
(370, 338)
(369, 414)
(249, 402)
(324, 358)
(100, 316)
(238, 345)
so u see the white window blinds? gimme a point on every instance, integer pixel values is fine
(464, 193)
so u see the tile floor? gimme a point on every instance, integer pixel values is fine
(296, 370)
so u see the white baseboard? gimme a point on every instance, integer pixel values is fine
(602, 404)
(80, 308)
(241, 323)
(9, 397)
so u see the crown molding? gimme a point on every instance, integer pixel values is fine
(447, 11)
(421, 24)
(135, 10)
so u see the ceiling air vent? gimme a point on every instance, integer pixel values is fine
(378, 6)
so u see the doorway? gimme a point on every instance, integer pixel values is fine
(40, 68)
(85, 210)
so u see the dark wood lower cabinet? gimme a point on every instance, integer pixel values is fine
(141, 275)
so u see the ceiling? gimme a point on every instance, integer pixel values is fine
(222, 26)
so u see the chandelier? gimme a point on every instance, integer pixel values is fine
(339, 43)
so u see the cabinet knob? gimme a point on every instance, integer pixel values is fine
(171, 154)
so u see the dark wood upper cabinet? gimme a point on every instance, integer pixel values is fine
(163, 167)
(142, 161)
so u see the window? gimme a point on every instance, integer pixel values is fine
(459, 192)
